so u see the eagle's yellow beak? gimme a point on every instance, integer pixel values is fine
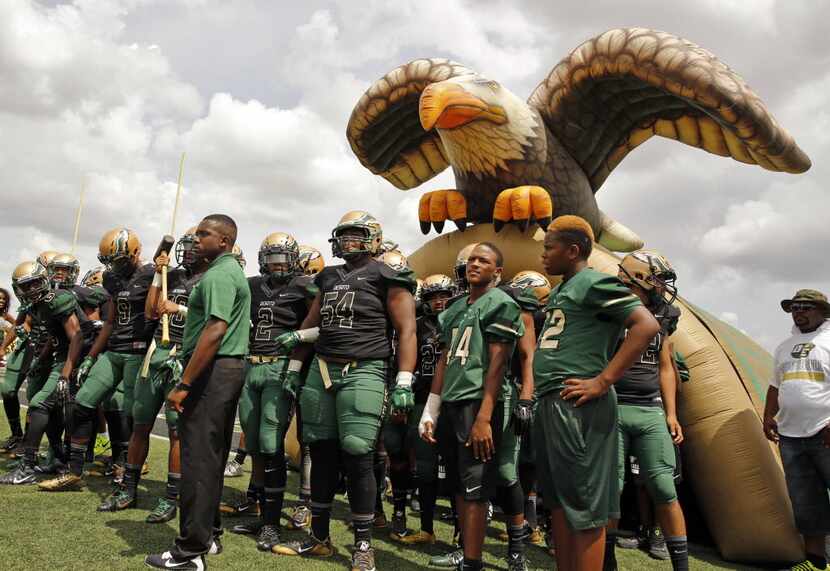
(447, 105)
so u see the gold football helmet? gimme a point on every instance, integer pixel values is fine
(394, 259)
(279, 248)
(311, 260)
(119, 250)
(433, 286)
(530, 279)
(389, 246)
(460, 267)
(185, 256)
(370, 242)
(239, 255)
(94, 277)
(30, 282)
(45, 257)
(652, 272)
(63, 270)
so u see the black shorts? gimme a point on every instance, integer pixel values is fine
(475, 479)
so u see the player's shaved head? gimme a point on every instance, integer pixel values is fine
(495, 249)
(224, 225)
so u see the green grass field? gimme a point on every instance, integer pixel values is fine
(40, 530)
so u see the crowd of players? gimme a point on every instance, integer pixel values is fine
(485, 390)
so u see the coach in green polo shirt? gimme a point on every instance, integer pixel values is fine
(214, 342)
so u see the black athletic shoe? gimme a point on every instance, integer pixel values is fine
(215, 547)
(52, 466)
(166, 561)
(657, 544)
(21, 475)
(247, 528)
(268, 537)
(399, 530)
(164, 511)
(11, 443)
(117, 501)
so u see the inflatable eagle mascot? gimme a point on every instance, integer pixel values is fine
(518, 164)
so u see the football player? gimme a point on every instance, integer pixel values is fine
(344, 395)
(647, 410)
(575, 428)
(280, 299)
(157, 376)
(479, 333)
(94, 277)
(108, 373)
(436, 291)
(17, 347)
(59, 314)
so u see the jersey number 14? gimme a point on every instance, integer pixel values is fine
(461, 349)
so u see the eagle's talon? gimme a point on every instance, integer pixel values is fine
(522, 204)
(438, 206)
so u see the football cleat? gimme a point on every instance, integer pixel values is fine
(21, 475)
(233, 469)
(117, 501)
(657, 544)
(243, 507)
(633, 542)
(399, 530)
(516, 562)
(166, 561)
(64, 482)
(807, 565)
(268, 537)
(102, 445)
(11, 443)
(300, 517)
(310, 547)
(52, 466)
(420, 538)
(380, 521)
(450, 560)
(164, 511)
(363, 558)
(536, 537)
(250, 528)
(145, 468)
(215, 547)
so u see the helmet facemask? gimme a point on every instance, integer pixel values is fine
(32, 289)
(63, 275)
(345, 237)
(286, 260)
(659, 286)
(186, 252)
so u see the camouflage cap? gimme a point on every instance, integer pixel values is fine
(808, 296)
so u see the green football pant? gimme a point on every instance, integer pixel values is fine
(576, 453)
(111, 382)
(507, 455)
(264, 408)
(15, 371)
(37, 380)
(643, 433)
(350, 410)
(49, 383)
(426, 454)
(149, 395)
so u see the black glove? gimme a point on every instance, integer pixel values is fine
(523, 417)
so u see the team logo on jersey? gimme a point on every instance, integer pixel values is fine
(802, 350)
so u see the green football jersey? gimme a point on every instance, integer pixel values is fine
(466, 328)
(583, 323)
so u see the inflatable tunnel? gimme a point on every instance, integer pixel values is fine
(734, 471)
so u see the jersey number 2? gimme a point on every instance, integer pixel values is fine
(556, 325)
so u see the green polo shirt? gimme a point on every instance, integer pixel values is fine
(222, 293)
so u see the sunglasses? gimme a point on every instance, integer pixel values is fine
(802, 306)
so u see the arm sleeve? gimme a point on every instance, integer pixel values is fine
(504, 321)
(218, 294)
(611, 300)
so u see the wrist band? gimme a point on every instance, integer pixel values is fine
(295, 365)
(404, 379)
(182, 310)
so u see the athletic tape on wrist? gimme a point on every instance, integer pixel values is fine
(295, 365)
(404, 379)
(309, 335)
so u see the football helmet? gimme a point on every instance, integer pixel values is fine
(460, 267)
(279, 248)
(119, 250)
(394, 259)
(651, 272)
(63, 270)
(434, 285)
(536, 281)
(30, 282)
(185, 256)
(419, 284)
(370, 242)
(311, 260)
(389, 246)
(45, 257)
(239, 255)
(94, 277)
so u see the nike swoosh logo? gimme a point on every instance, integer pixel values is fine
(363, 278)
(471, 490)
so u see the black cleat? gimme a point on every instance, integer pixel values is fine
(11, 443)
(117, 501)
(23, 474)
(268, 537)
(166, 561)
(247, 528)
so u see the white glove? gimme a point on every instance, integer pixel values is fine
(432, 410)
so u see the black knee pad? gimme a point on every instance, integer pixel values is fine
(511, 499)
(361, 482)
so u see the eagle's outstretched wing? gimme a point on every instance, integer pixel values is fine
(620, 88)
(385, 131)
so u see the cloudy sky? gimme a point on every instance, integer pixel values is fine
(109, 93)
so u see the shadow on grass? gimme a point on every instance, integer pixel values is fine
(143, 538)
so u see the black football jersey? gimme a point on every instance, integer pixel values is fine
(89, 299)
(354, 322)
(429, 351)
(131, 331)
(276, 309)
(179, 285)
(51, 313)
(640, 384)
